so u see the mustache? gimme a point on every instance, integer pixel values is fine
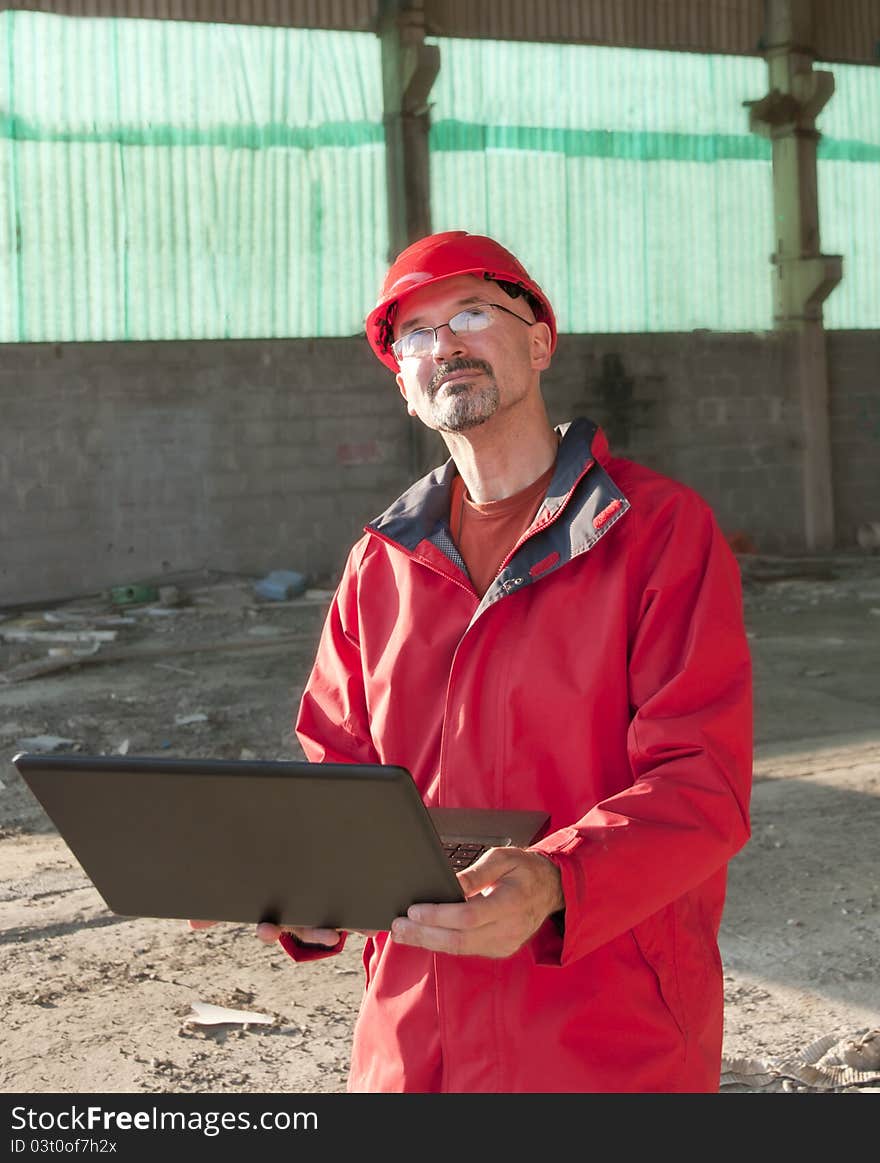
(457, 365)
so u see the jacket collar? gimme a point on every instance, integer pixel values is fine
(581, 505)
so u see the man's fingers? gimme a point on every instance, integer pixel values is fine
(318, 936)
(202, 924)
(269, 933)
(510, 891)
(440, 940)
(490, 867)
(468, 915)
(444, 928)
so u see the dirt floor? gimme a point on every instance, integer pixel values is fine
(93, 1002)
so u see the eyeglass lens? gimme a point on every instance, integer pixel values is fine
(422, 341)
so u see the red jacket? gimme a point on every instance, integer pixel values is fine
(605, 677)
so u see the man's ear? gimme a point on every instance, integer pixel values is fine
(539, 346)
(398, 379)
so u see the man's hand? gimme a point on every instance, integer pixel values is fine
(268, 934)
(510, 892)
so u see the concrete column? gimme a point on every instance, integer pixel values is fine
(803, 276)
(409, 69)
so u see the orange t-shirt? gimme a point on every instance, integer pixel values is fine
(485, 534)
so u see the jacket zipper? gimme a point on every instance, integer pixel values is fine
(532, 530)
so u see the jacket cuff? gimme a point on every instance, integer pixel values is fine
(554, 944)
(300, 951)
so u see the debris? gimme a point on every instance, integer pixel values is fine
(60, 617)
(88, 636)
(46, 743)
(37, 667)
(868, 535)
(91, 620)
(169, 595)
(69, 652)
(204, 1014)
(185, 720)
(228, 597)
(831, 1064)
(779, 569)
(122, 749)
(318, 595)
(281, 584)
(131, 595)
(41, 666)
(741, 542)
(263, 631)
(176, 669)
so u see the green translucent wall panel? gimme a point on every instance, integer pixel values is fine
(628, 181)
(631, 186)
(849, 194)
(162, 180)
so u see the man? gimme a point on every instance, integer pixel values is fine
(537, 624)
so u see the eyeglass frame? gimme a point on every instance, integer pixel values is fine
(448, 323)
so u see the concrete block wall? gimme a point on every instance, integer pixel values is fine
(127, 462)
(854, 379)
(123, 462)
(714, 410)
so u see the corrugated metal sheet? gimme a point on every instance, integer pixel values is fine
(626, 180)
(209, 181)
(351, 15)
(725, 26)
(849, 195)
(161, 180)
(846, 30)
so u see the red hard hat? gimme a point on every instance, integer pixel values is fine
(440, 256)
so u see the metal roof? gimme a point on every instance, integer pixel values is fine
(846, 31)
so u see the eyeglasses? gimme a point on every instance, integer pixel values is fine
(418, 344)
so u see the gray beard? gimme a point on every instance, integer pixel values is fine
(464, 406)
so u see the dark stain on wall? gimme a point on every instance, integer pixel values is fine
(614, 391)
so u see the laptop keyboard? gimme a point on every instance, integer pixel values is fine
(461, 853)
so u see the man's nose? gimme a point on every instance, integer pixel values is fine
(446, 344)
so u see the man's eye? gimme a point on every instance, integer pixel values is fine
(473, 317)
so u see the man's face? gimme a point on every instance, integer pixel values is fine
(466, 379)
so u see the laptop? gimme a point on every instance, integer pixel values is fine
(337, 845)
